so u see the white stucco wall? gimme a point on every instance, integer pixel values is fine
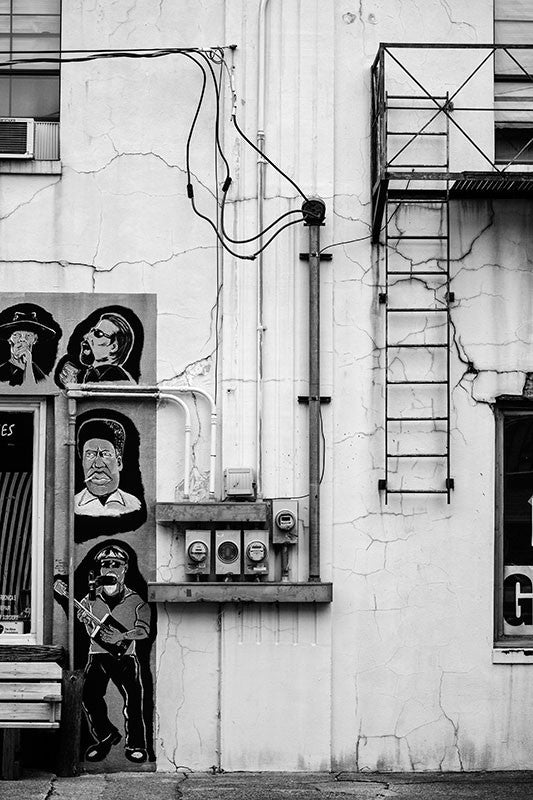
(397, 673)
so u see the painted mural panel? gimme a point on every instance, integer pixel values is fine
(114, 533)
(50, 340)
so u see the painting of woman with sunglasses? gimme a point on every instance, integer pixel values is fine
(103, 349)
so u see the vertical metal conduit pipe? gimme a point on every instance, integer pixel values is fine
(71, 443)
(261, 166)
(314, 402)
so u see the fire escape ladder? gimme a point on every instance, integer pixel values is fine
(415, 298)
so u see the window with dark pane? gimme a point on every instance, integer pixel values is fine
(29, 29)
(16, 512)
(517, 517)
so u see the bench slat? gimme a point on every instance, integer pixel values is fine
(29, 724)
(28, 670)
(50, 692)
(27, 712)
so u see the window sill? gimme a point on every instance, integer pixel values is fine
(30, 167)
(512, 655)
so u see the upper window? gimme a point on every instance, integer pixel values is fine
(513, 88)
(21, 521)
(27, 29)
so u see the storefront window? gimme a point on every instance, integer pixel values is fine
(20, 537)
(515, 524)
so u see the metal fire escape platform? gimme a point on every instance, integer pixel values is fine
(449, 122)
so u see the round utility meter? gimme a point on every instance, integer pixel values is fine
(256, 551)
(197, 551)
(285, 520)
(228, 552)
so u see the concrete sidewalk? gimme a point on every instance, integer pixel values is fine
(272, 786)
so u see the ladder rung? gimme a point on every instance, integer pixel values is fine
(425, 238)
(415, 97)
(417, 491)
(389, 344)
(417, 383)
(416, 419)
(401, 167)
(416, 133)
(417, 455)
(417, 310)
(416, 201)
(427, 272)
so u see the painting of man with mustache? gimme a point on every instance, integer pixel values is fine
(100, 444)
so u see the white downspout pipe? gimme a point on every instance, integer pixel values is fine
(169, 392)
(261, 165)
(213, 438)
(103, 390)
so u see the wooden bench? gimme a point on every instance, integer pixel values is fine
(30, 697)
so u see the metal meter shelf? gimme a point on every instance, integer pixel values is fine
(424, 145)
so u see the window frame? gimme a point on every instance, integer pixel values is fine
(39, 411)
(504, 408)
(31, 71)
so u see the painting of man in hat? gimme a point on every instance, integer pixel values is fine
(118, 624)
(32, 335)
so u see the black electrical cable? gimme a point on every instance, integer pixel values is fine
(323, 446)
(370, 236)
(190, 189)
(95, 56)
(219, 286)
(263, 155)
(228, 179)
(257, 235)
(217, 120)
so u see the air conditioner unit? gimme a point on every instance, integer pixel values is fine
(16, 137)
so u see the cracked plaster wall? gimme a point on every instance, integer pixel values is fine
(397, 674)
(413, 612)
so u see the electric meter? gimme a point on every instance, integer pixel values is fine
(198, 551)
(256, 551)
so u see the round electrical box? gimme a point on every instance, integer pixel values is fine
(285, 520)
(256, 551)
(197, 551)
(228, 552)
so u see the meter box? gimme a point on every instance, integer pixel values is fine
(228, 552)
(284, 521)
(197, 552)
(239, 483)
(255, 552)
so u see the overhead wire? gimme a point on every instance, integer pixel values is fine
(207, 54)
(228, 180)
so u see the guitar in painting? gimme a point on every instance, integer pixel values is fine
(97, 626)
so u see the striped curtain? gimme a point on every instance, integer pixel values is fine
(15, 539)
